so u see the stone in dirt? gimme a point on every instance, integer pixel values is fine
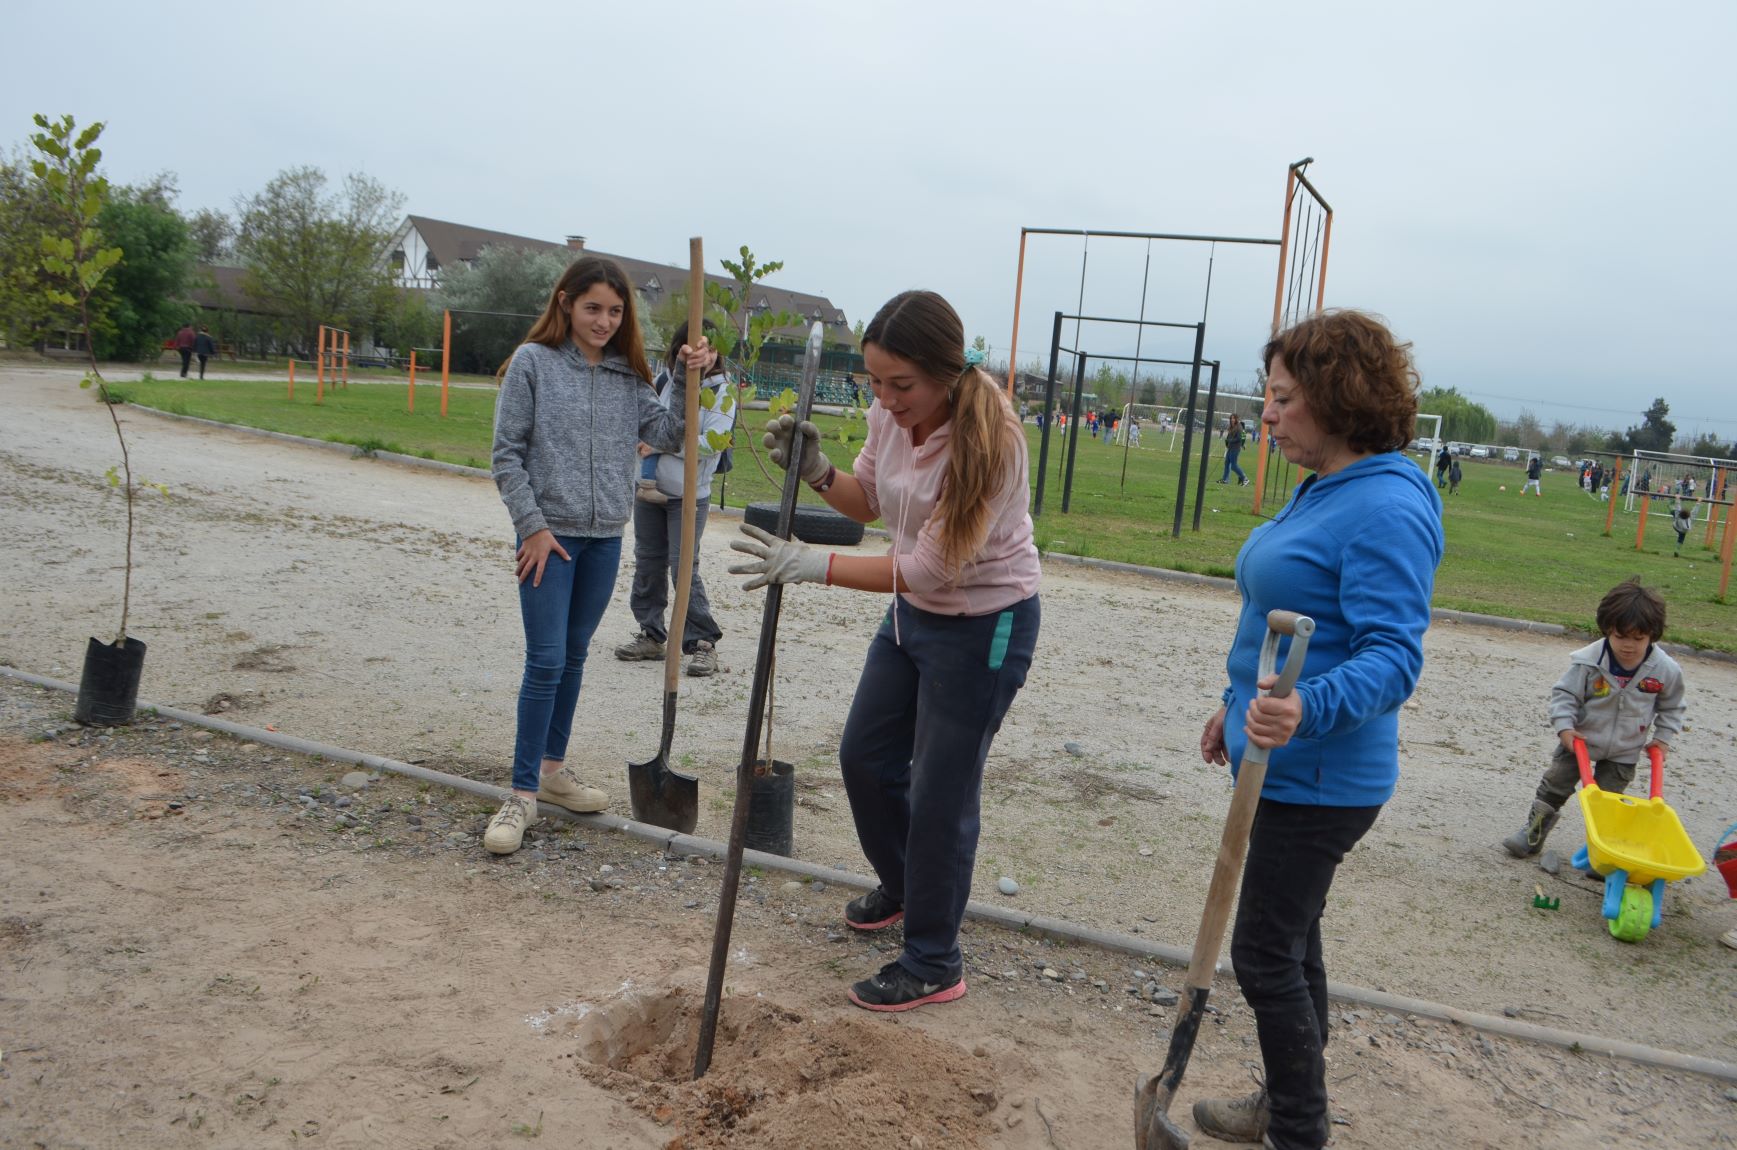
(1007, 886)
(354, 781)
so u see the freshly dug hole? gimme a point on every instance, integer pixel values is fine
(783, 1081)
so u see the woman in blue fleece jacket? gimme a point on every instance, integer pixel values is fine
(1355, 549)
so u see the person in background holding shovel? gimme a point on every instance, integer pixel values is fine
(944, 464)
(1356, 549)
(657, 526)
(574, 405)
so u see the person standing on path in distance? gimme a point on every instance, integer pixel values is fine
(575, 402)
(1534, 471)
(657, 526)
(1342, 403)
(204, 347)
(184, 341)
(1233, 440)
(944, 465)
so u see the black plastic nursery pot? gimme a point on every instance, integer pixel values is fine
(108, 690)
(772, 808)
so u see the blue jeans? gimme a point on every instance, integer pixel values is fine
(1230, 455)
(1293, 853)
(925, 711)
(560, 617)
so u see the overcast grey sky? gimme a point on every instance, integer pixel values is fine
(1537, 194)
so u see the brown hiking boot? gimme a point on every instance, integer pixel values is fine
(1234, 1119)
(641, 648)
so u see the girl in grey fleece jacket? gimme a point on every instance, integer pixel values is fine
(575, 402)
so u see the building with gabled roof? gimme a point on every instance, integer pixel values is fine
(422, 247)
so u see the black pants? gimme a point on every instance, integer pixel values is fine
(202, 360)
(1293, 853)
(186, 360)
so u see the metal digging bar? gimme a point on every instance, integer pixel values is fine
(756, 718)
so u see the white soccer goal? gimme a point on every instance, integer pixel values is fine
(1667, 477)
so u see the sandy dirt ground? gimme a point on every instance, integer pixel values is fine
(371, 605)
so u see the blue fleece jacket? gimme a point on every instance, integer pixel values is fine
(1357, 552)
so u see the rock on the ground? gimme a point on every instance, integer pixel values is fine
(354, 781)
(1007, 886)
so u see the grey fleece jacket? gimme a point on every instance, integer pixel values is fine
(1612, 718)
(566, 439)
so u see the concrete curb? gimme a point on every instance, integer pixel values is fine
(999, 914)
(1161, 574)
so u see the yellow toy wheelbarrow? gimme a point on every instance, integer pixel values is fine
(1637, 845)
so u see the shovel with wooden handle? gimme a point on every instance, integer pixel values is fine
(661, 795)
(757, 694)
(1153, 1128)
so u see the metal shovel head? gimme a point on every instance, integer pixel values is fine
(1153, 1129)
(663, 797)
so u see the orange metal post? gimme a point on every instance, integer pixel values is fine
(1326, 243)
(1013, 343)
(1713, 510)
(346, 359)
(1725, 552)
(1615, 486)
(445, 357)
(1260, 479)
(413, 381)
(292, 389)
(1640, 531)
(320, 373)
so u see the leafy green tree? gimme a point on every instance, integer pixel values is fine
(25, 216)
(507, 280)
(1462, 419)
(213, 236)
(1712, 447)
(144, 298)
(748, 329)
(313, 257)
(409, 321)
(1656, 432)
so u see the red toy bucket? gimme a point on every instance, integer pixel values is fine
(1725, 858)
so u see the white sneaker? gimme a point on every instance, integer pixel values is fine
(507, 829)
(566, 789)
(1729, 938)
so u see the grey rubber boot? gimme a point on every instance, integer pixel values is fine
(1529, 839)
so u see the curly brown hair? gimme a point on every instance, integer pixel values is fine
(1360, 381)
(1629, 608)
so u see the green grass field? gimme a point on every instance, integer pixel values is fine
(1544, 559)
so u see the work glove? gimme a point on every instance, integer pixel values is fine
(779, 432)
(777, 560)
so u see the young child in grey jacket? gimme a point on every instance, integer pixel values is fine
(1621, 695)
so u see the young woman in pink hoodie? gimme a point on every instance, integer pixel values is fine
(944, 467)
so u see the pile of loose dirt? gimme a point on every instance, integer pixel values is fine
(782, 1080)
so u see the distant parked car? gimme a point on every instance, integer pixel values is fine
(1561, 461)
(1480, 452)
(1511, 454)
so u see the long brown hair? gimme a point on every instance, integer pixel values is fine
(555, 326)
(923, 328)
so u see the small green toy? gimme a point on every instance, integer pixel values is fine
(1542, 903)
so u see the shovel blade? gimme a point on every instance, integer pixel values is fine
(663, 797)
(1153, 1129)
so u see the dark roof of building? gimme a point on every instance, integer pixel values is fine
(218, 287)
(451, 243)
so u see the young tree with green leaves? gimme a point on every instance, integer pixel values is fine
(144, 298)
(76, 259)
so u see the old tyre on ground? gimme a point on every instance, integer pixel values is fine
(812, 524)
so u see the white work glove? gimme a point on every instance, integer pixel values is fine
(777, 560)
(779, 433)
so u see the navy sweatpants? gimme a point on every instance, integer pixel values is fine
(926, 709)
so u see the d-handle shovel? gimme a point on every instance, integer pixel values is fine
(660, 795)
(1153, 1129)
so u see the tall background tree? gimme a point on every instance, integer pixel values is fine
(500, 279)
(144, 299)
(1656, 432)
(1462, 419)
(314, 257)
(26, 312)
